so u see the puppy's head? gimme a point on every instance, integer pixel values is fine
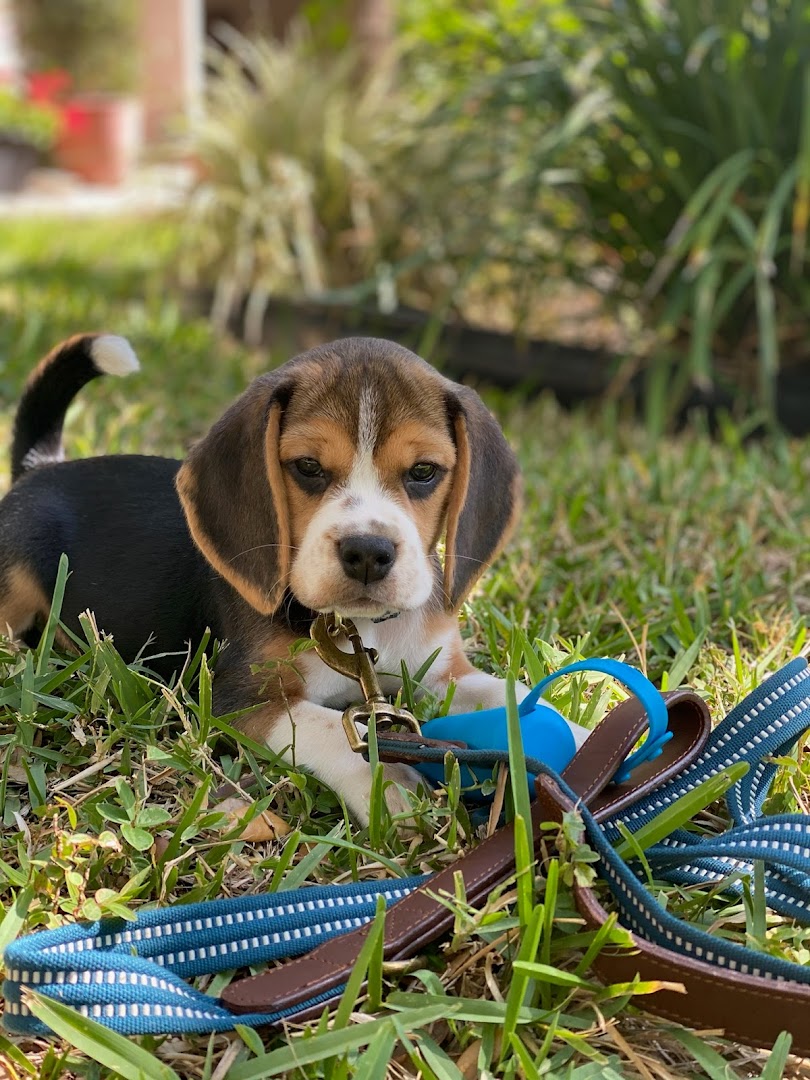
(336, 475)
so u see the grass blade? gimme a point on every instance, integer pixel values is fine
(46, 642)
(774, 1068)
(12, 1053)
(440, 1064)
(524, 856)
(683, 663)
(801, 203)
(553, 975)
(473, 1010)
(768, 342)
(14, 918)
(374, 1062)
(332, 1044)
(684, 809)
(172, 849)
(99, 1043)
(529, 945)
(709, 1060)
(371, 945)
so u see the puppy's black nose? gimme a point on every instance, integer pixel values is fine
(366, 558)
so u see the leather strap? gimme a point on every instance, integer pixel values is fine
(410, 924)
(748, 1008)
(407, 742)
(419, 919)
(593, 767)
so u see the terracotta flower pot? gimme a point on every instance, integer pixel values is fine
(101, 138)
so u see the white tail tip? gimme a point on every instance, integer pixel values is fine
(114, 355)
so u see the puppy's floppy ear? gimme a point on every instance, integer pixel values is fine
(232, 491)
(485, 500)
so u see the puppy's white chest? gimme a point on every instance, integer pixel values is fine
(396, 640)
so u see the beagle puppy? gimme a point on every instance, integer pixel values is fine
(325, 487)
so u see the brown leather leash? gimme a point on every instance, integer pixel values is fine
(748, 1008)
(420, 918)
(133, 976)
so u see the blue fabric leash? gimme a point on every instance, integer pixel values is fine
(129, 975)
(767, 724)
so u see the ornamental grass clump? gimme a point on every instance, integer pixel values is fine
(296, 152)
(696, 186)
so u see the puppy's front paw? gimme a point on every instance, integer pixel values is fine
(398, 780)
(400, 776)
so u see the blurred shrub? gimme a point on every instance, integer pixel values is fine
(696, 184)
(658, 151)
(461, 42)
(495, 212)
(94, 41)
(27, 121)
(296, 155)
(661, 150)
(396, 186)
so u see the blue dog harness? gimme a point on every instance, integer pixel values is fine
(131, 976)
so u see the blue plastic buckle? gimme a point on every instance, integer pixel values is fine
(546, 734)
(638, 685)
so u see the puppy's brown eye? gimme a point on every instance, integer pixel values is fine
(308, 467)
(422, 472)
(309, 474)
(422, 479)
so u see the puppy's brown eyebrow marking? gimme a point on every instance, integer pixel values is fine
(321, 437)
(414, 439)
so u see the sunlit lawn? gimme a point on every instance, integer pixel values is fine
(672, 553)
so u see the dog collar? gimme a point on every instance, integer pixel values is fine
(388, 615)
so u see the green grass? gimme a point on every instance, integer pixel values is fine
(61, 279)
(687, 556)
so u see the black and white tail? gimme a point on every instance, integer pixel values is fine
(52, 385)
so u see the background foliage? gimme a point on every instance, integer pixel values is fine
(698, 192)
(94, 41)
(657, 155)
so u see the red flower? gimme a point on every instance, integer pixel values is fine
(53, 88)
(48, 87)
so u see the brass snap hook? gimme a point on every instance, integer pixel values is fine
(324, 631)
(357, 665)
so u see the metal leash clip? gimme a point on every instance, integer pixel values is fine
(358, 665)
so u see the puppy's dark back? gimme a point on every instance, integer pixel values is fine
(143, 571)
